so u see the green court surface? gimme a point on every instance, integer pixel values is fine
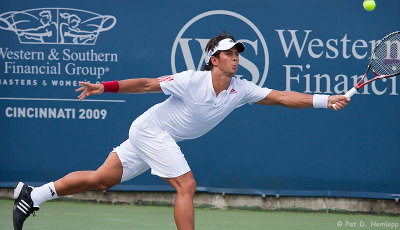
(70, 215)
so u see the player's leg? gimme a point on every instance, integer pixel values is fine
(121, 165)
(185, 187)
(28, 199)
(106, 176)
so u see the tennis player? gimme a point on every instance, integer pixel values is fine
(198, 101)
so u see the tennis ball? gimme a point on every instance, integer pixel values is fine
(369, 5)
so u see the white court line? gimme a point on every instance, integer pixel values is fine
(58, 99)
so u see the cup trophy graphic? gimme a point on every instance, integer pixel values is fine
(56, 25)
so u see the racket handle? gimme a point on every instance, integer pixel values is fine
(349, 94)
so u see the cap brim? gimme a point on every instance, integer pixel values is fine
(240, 47)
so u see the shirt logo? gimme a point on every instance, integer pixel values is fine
(165, 78)
(233, 91)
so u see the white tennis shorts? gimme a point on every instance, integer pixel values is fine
(149, 146)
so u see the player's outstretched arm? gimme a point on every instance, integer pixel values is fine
(293, 99)
(140, 85)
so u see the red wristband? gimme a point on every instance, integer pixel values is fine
(111, 86)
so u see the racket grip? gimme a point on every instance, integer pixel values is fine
(351, 92)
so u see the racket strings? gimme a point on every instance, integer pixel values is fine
(386, 57)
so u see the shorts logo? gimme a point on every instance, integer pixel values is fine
(56, 25)
(254, 61)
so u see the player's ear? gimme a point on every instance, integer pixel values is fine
(214, 60)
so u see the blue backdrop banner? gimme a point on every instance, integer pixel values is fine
(46, 48)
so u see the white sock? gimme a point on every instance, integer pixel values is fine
(44, 193)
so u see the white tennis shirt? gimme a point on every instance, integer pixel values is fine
(193, 108)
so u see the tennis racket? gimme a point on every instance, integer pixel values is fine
(384, 62)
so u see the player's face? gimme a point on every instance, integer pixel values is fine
(228, 61)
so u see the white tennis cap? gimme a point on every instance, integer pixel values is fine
(225, 44)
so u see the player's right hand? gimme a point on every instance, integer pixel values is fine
(337, 102)
(89, 89)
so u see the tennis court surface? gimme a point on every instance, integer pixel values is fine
(71, 215)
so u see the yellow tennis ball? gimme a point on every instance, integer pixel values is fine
(369, 5)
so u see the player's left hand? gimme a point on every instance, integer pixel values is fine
(89, 89)
(340, 100)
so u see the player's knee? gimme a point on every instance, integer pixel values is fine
(98, 183)
(188, 188)
(193, 187)
(103, 186)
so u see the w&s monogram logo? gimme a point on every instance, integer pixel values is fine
(254, 61)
